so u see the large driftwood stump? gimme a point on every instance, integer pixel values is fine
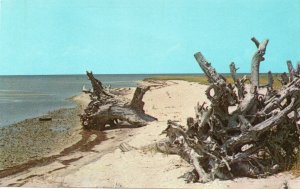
(259, 138)
(107, 109)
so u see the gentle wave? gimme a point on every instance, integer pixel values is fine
(18, 93)
(9, 90)
(5, 101)
(25, 94)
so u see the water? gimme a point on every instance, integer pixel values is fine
(23, 97)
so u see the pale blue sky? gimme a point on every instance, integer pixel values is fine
(144, 36)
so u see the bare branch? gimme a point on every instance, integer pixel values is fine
(256, 139)
(256, 42)
(257, 58)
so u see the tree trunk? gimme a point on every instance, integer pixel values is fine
(107, 109)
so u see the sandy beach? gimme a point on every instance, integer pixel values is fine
(86, 159)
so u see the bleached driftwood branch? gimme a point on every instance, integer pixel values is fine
(258, 139)
(107, 108)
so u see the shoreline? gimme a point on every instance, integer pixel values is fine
(32, 139)
(44, 112)
(32, 142)
(142, 166)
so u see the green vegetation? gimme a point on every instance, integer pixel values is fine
(296, 167)
(203, 79)
(198, 79)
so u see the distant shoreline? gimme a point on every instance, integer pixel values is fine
(120, 74)
(202, 79)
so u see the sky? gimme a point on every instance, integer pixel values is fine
(40, 37)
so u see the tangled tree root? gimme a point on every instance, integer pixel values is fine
(259, 138)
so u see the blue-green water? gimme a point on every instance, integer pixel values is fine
(23, 97)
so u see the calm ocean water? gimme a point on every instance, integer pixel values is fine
(23, 97)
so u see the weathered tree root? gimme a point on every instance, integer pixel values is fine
(259, 138)
(107, 109)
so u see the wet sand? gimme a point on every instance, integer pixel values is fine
(32, 139)
(32, 142)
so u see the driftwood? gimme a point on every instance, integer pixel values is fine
(107, 109)
(259, 138)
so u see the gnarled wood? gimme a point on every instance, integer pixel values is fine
(270, 81)
(298, 68)
(238, 82)
(284, 79)
(256, 140)
(291, 70)
(98, 90)
(210, 72)
(107, 109)
(256, 59)
(137, 103)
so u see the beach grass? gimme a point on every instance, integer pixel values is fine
(203, 79)
(296, 167)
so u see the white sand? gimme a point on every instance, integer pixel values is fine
(108, 166)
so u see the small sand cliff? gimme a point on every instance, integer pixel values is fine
(136, 164)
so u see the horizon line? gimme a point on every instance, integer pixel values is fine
(247, 73)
